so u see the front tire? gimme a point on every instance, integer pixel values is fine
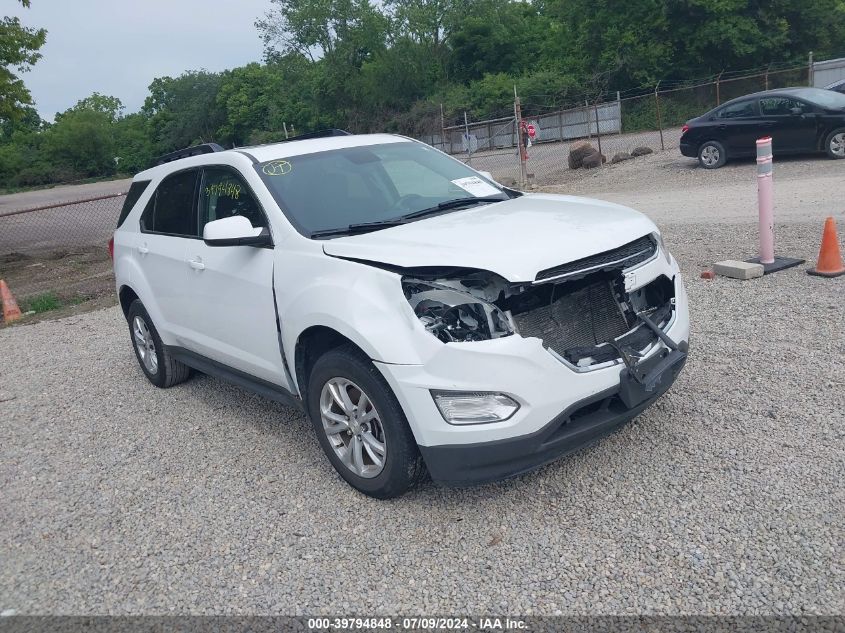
(361, 426)
(712, 155)
(835, 143)
(158, 365)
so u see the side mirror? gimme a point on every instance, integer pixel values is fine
(235, 231)
(796, 111)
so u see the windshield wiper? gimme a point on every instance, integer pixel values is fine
(451, 204)
(364, 227)
(361, 227)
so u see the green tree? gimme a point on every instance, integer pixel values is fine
(132, 144)
(19, 48)
(80, 144)
(183, 111)
(497, 36)
(628, 43)
(112, 107)
(715, 35)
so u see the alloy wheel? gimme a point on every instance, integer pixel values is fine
(837, 145)
(353, 427)
(710, 155)
(145, 345)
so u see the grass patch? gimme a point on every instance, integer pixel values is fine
(41, 303)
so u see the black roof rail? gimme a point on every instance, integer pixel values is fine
(318, 134)
(196, 150)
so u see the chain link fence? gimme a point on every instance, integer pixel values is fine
(644, 121)
(55, 257)
(77, 223)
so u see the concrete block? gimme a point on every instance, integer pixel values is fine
(738, 270)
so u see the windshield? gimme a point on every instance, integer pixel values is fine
(340, 188)
(824, 98)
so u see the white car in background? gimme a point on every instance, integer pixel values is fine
(423, 316)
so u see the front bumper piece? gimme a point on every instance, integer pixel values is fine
(580, 425)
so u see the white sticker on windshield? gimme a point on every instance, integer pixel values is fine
(476, 186)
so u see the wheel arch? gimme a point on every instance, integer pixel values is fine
(312, 343)
(126, 296)
(827, 134)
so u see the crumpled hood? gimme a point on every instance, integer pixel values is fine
(515, 238)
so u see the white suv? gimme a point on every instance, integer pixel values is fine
(423, 316)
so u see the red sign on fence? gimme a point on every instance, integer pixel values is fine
(532, 131)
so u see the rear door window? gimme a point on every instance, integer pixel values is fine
(741, 110)
(172, 210)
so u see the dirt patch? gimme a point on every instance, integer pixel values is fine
(81, 279)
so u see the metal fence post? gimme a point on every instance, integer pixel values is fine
(517, 111)
(442, 129)
(619, 110)
(589, 123)
(659, 122)
(811, 71)
(469, 143)
(560, 125)
(598, 129)
(718, 92)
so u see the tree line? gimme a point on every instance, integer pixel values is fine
(388, 66)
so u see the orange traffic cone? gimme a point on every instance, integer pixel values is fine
(830, 259)
(11, 311)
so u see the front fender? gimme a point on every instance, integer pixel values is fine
(363, 303)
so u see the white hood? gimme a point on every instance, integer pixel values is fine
(516, 238)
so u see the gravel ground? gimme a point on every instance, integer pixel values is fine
(725, 497)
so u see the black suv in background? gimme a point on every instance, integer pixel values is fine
(799, 120)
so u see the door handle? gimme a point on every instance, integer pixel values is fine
(196, 264)
(143, 250)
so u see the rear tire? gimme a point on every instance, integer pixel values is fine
(835, 143)
(361, 426)
(158, 365)
(712, 155)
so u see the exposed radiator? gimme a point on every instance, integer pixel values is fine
(584, 318)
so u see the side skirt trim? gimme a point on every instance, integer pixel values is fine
(235, 376)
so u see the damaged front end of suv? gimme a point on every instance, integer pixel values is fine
(581, 311)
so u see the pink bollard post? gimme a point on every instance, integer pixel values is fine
(765, 198)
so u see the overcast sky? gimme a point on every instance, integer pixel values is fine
(117, 47)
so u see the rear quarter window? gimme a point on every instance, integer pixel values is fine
(136, 190)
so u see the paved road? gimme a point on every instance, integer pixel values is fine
(41, 197)
(62, 228)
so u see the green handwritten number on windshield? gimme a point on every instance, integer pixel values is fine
(224, 190)
(277, 168)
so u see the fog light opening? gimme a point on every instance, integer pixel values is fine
(474, 407)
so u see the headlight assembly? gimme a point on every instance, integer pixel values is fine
(453, 315)
(663, 248)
